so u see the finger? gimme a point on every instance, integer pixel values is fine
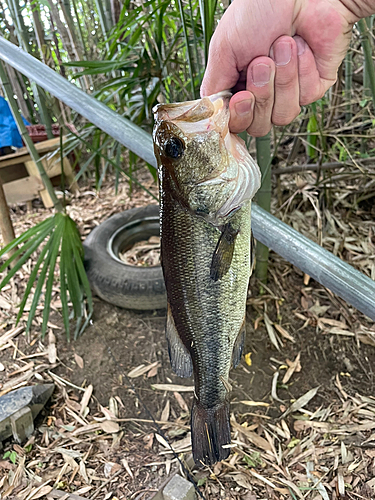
(260, 82)
(221, 71)
(241, 107)
(311, 86)
(286, 106)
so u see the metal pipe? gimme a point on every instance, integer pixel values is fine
(323, 266)
(332, 272)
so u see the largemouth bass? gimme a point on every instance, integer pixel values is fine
(207, 180)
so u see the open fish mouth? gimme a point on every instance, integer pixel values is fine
(201, 115)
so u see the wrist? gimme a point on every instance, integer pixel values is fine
(359, 8)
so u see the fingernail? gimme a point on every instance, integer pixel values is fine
(301, 45)
(261, 74)
(243, 107)
(282, 53)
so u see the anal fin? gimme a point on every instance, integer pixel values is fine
(178, 354)
(239, 345)
(223, 254)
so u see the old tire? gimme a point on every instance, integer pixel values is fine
(111, 279)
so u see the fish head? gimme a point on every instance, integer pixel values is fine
(209, 169)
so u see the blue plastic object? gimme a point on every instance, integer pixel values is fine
(9, 135)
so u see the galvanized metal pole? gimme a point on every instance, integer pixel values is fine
(324, 267)
(332, 272)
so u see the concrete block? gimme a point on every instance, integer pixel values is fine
(179, 488)
(22, 423)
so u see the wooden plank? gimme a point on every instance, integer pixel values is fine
(33, 171)
(41, 147)
(22, 190)
(5, 161)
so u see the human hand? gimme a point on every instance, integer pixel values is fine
(278, 55)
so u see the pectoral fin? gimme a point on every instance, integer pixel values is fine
(239, 345)
(223, 254)
(178, 354)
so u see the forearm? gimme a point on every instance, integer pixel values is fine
(359, 8)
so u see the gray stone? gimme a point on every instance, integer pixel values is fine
(179, 488)
(22, 424)
(19, 408)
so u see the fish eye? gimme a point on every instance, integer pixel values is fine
(174, 147)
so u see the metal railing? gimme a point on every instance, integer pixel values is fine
(332, 272)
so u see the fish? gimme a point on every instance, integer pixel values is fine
(207, 180)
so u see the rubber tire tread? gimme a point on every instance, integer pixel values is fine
(130, 287)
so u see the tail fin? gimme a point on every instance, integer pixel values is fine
(210, 430)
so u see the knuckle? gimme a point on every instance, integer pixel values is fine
(282, 119)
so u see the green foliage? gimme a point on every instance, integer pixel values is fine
(312, 138)
(12, 455)
(57, 239)
(253, 460)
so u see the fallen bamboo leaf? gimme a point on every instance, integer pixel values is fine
(274, 387)
(252, 437)
(165, 413)
(125, 463)
(302, 401)
(142, 369)
(294, 366)
(173, 387)
(254, 403)
(109, 426)
(271, 331)
(4, 304)
(261, 478)
(293, 487)
(180, 400)
(284, 333)
(162, 441)
(86, 399)
(79, 360)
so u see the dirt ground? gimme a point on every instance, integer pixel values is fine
(97, 438)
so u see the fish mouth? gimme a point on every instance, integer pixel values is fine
(197, 116)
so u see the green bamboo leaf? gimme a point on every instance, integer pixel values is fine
(64, 297)
(36, 243)
(32, 279)
(24, 236)
(38, 290)
(54, 251)
(72, 277)
(77, 250)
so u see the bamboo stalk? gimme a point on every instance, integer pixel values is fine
(6, 226)
(367, 50)
(188, 48)
(19, 92)
(263, 197)
(38, 29)
(348, 84)
(366, 85)
(27, 139)
(23, 42)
